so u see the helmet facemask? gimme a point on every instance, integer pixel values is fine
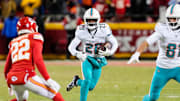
(91, 23)
(174, 23)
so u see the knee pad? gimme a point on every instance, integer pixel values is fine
(87, 82)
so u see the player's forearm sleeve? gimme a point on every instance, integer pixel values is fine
(73, 45)
(38, 59)
(114, 44)
(7, 65)
(153, 38)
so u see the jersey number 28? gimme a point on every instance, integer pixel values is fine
(20, 50)
(93, 49)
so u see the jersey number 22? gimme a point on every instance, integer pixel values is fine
(20, 50)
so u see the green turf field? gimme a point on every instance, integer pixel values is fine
(117, 83)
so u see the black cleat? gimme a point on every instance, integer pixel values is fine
(72, 83)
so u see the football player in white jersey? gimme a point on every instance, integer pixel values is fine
(93, 35)
(168, 60)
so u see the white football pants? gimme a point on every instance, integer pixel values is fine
(36, 85)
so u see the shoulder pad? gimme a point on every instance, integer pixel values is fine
(38, 37)
(103, 25)
(160, 27)
(105, 28)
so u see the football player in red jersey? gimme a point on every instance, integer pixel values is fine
(25, 52)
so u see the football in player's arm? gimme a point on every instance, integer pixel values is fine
(168, 60)
(25, 52)
(93, 36)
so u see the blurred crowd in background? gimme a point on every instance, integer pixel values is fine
(70, 12)
(110, 10)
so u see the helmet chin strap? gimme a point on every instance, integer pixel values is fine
(170, 26)
(92, 29)
(178, 28)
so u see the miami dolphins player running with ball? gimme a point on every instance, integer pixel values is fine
(93, 35)
(168, 60)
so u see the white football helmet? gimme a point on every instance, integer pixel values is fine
(91, 14)
(173, 11)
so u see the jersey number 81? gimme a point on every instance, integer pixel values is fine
(171, 50)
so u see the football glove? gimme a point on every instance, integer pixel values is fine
(81, 56)
(10, 91)
(105, 52)
(53, 84)
(134, 58)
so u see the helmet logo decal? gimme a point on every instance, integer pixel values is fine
(91, 11)
(172, 8)
(27, 25)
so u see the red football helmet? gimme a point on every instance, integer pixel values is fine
(26, 25)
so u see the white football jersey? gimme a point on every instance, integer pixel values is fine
(91, 41)
(169, 46)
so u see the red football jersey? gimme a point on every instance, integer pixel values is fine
(25, 52)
